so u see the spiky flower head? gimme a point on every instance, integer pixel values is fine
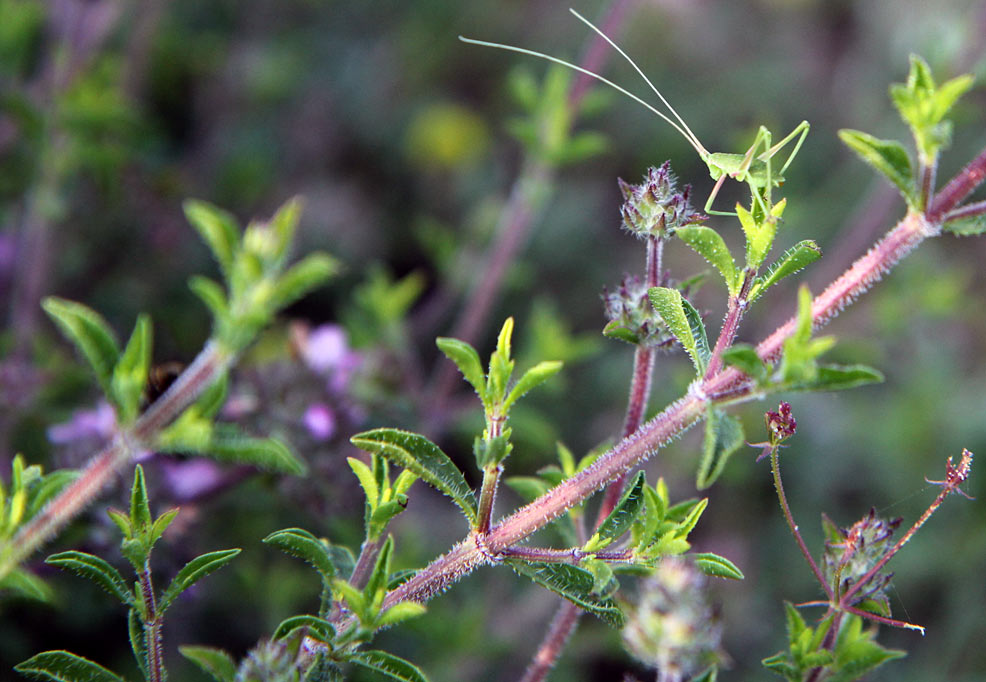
(631, 316)
(655, 208)
(270, 661)
(672, 628)
(851, 552)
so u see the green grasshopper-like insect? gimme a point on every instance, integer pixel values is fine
(752, 167)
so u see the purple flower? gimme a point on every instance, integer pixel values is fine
(320, 421)
(99, 422)
(190, 479)
(325, 348)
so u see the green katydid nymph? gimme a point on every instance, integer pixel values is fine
(752, 167)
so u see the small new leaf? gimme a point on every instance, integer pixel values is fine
(193, 571)
(744, 357)
(229, 444)
(425, 459)
(467, 360)
(838, 378)
(218, 230)
(887, 157)
(795, 259)
(618, 521)
(537, 374)
(130, 373)
(718, 566)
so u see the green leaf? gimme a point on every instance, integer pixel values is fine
(283, 226)
(491, 451)
(214, 662)
(400, 612)
(537, 374)
(923, 106)
(425, 459)
(212, 294)
(47, 488)
(795, 259)
(760, 232)
(715, 565)
(193, 571)
(467, 360)
(624, 513)
(367, 481)
(966, 227)
(744, 357)
(300, 543)
(376, 584)
(392, 666)
(26, 585)
(712, 247)
(138, 640)
(318, 628)
(838, 378)
(130, 373)
(723, 437)
(140, 508)
(698, 332)
(501, 366)
(574, 584)
(305, 275)
(229, 444)
(62, 666)
(679, 318)
(886, 156)
(95, 569)
(89, 332)
(217, 228)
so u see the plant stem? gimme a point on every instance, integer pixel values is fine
(152, 627)
(958, 188)
(775, 467)
(562, 626)
(366, 561)
(211, 363)
(977, 208)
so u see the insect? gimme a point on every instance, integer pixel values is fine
(754, 167)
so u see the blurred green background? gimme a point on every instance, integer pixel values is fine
(397, 137)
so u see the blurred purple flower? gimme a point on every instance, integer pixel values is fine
(99, 422)
(320, 421)
(190, 479)
(326, 351)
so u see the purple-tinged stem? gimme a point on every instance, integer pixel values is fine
(562, 626)
(958, 188)
(210, 364)
(152, 628)
(562, 556)
(775, 467)
(972, 210)
(367, 560)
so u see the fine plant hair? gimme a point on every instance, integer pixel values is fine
(628, 563)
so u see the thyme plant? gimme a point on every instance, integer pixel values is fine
(631, 563)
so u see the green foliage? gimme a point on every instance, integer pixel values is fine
(62, 666)
(253, 266)
(855, 652)
(215, 662)
(887, 157)
(141, 531)
(723, 437)
(712, 247)
(792, 261)
(421, 457)
(618, 521)
(574, 583)
(685, 323)
(924, 106)
(546, 131)
(390, 665)
(25, 495)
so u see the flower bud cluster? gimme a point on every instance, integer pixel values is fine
(851, 552)
(629, 309)
(781, 425)
(655, 208)
(672, 628)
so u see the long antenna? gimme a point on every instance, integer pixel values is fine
(682, 129)
(692, 137)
